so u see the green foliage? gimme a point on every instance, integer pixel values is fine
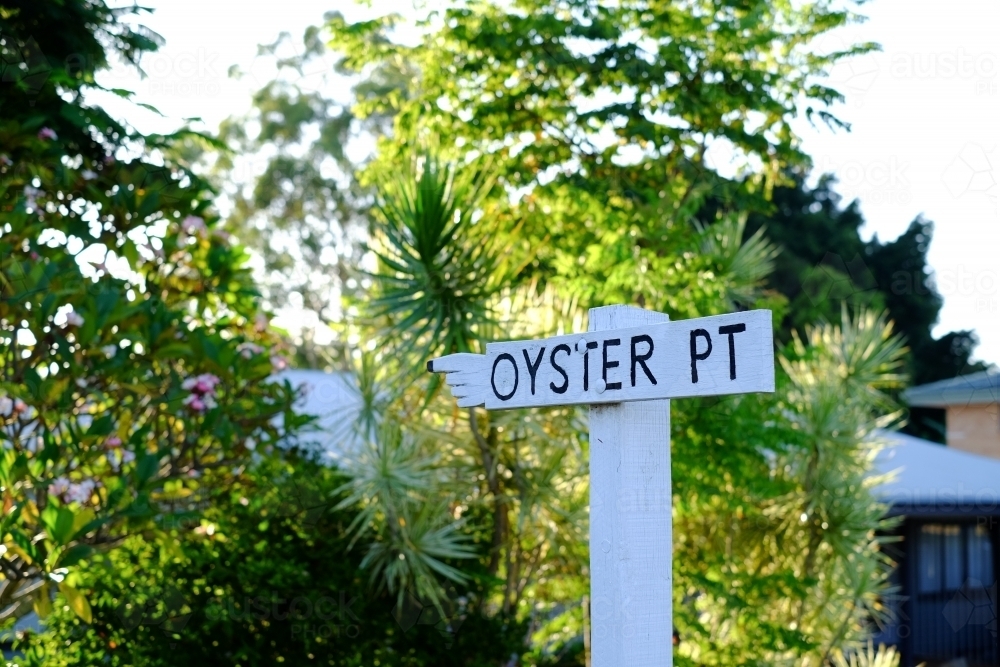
(268, 577)
(776, 554)
(824, 264)
(428, 243)
(130, 384)
(595, 121)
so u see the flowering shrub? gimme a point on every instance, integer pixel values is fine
(126, 387)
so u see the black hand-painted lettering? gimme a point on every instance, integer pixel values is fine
(641, 359)
(493, 377)
(695, 357)
(731, 330)
(586, 364)
(533, 368)
(605, 364)
(559, 369)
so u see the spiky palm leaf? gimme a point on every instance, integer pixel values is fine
(438, 265)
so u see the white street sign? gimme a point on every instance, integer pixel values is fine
(722, 354)
(629, 355)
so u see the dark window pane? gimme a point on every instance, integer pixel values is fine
(929, 575)
(954, 559)
(980, 555)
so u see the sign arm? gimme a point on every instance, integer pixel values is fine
(464, 373)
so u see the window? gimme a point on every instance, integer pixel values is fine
(949, 555)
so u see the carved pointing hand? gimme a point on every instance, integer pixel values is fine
(464, 373)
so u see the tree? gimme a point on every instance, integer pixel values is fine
(131, 383)
(824, 264)
(594, 122)
(777, 557)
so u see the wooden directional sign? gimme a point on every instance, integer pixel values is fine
(723, 354)
(631, 360)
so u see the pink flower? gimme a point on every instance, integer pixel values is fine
(59, 486)
(5, 160)
(195, 403)
(247, 350)
(81, 492)
(202, 384)
(20, 406)
(193, 474)
(278, 363)
(193, 225)
(117, 458)
(47, 134)
(113, 442)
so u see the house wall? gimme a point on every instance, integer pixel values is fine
(974, 428)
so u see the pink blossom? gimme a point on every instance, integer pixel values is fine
(202, 384)
(278, 363)
(59, 486)
(47, 134)
(81, 492)
(5, 160)
(195, 403)
(119, 457)
(193, 225)
(20, 406)
(113, 442)
(247, 350)
(193, 474)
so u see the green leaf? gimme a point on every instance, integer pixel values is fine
(77, 602)
(43, 602)
(75, 554)
(146, 468)
(58, 522)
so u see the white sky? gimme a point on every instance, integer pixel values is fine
(925, 115)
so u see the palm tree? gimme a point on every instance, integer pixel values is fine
(449, 494)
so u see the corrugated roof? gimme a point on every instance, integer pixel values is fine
(976, 388)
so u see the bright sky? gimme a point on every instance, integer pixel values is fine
(925, 115)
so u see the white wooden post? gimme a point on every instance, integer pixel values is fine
(630, 521)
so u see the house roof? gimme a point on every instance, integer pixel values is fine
(971, 389)
(927, 474)
(333, 399)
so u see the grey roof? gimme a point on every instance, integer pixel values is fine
(977, 388)
(334, 400)
(928, 474)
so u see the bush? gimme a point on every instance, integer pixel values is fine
(268, 576)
